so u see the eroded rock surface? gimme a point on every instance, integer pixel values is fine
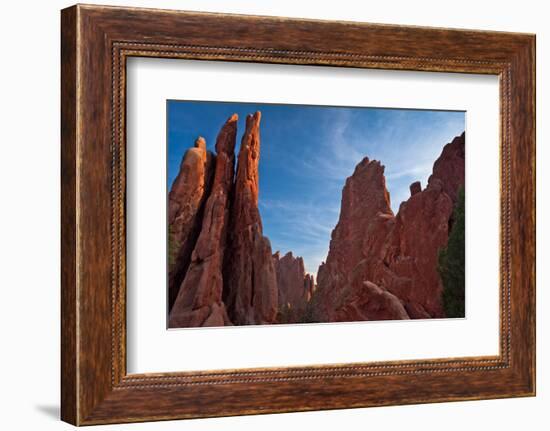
(199, 300)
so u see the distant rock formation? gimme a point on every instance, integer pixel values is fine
(295, 287)
(199, 301)
(309, 285)
(376, 259)
(251, 282)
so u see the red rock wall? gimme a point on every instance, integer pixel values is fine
(376, 259)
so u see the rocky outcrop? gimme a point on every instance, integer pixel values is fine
(449, 167)
(294, 286)
(185, 204)
(357, 243)
(367, 301)
(251, 282)
(398, 254)
(421, 229)
(230, 277)
(415, 188)
(380, 266)
(199, 300)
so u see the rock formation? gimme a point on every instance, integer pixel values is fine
(295, 287)
(376, 259)
(357, 243)
(415, 188)
(379, 266)
(367, 301)
(251, 282)
(421, 230)
(449, 167)
(199, 301)
(185, 204)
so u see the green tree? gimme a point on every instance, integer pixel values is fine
(311, 313)
(452, 263)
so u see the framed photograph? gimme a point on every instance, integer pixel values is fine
(266, 215)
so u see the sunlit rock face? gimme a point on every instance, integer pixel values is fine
(251, 282)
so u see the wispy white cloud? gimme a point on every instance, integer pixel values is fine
(334, 156)
(406, 148)
(418, 171)
(301, 227)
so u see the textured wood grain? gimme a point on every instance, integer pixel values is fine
(69, 367)
(96, 41)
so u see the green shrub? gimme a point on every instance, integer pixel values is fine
(284, 314)
(311, 312)
(452, 263)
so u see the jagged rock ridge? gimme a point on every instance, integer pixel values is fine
(384, 266)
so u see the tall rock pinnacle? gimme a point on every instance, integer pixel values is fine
(358, 238)
(199, 300)
(251, 283)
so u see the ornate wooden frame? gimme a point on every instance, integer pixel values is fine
(95, 43)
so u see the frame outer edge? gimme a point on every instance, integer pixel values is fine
(69, 201)
(87, 399)
(532, 127)
(533, 53)
(530, 81)
(523, 223)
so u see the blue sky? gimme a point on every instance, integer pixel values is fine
(306, 154)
